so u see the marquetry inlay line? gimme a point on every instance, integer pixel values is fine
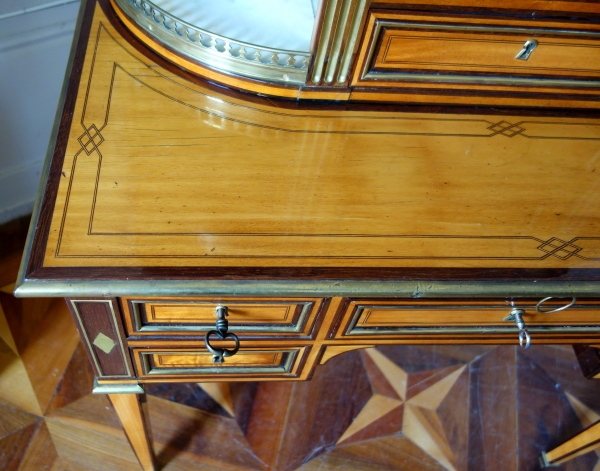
(309, 124)
(91, 139)
(506, 129)
(221, 394)
(121, 96)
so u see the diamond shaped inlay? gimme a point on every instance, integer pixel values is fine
(506, 129)
(104, 343)
(559, 248)
(90, 139)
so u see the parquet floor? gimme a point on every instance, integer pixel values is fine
(392, 408)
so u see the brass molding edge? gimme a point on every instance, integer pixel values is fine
(400, 289)
(437, 78)
(324, 36)
(352, 38)
(544, 463)
(338, 51)
(338, 39)
(117, 388)
(219, 52)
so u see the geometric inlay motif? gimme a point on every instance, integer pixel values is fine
(506, 129)
(391, 410)
(559, 248)
(104, 343)
(90, 139)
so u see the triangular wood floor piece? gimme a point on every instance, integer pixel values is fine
(13, 419)
(5, 333)
(49, 351)
(13, 446)
(221, 394)
(76, 382)
(376, 408)
(9, 288)
(379, 383)
(15, 387)
(395, 375)
(423, 428)
(390, 453)
(387, 424)
(586, 415)
(201, 439)
(431, 397)
(41, 453)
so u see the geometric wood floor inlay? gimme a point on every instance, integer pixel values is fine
(466, 408)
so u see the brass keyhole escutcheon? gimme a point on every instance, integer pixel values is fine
(528, 48)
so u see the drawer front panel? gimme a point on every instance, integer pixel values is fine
(293, 318)
(253, 362)
(486, 52)
(378, 318)
(460, 50)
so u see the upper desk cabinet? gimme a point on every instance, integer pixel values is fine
(533, 53)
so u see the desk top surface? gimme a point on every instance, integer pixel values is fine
(159, 172)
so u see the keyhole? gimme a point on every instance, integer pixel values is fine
(528, 48)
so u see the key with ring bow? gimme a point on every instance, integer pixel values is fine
(222, 333)
(516, 316)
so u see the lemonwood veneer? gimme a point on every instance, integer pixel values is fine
(323, 228)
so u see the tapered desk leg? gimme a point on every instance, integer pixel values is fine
(578, 445)
(133, 413)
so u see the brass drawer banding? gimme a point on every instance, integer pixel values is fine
(418, 51)
(180, 316)
(373, 318)
(198, 362)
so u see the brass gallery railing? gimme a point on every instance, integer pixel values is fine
(219, 52)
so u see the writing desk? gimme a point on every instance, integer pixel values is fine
(318, 228)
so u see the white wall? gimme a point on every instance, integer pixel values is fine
(34, 48)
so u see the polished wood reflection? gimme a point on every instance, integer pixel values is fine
(163, 172)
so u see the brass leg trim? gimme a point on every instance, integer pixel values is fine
(117, 388)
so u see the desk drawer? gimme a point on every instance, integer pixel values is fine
(463, 50)
(247, 316)
(455, 317)
(189, 364)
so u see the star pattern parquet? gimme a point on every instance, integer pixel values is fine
(466, 408)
